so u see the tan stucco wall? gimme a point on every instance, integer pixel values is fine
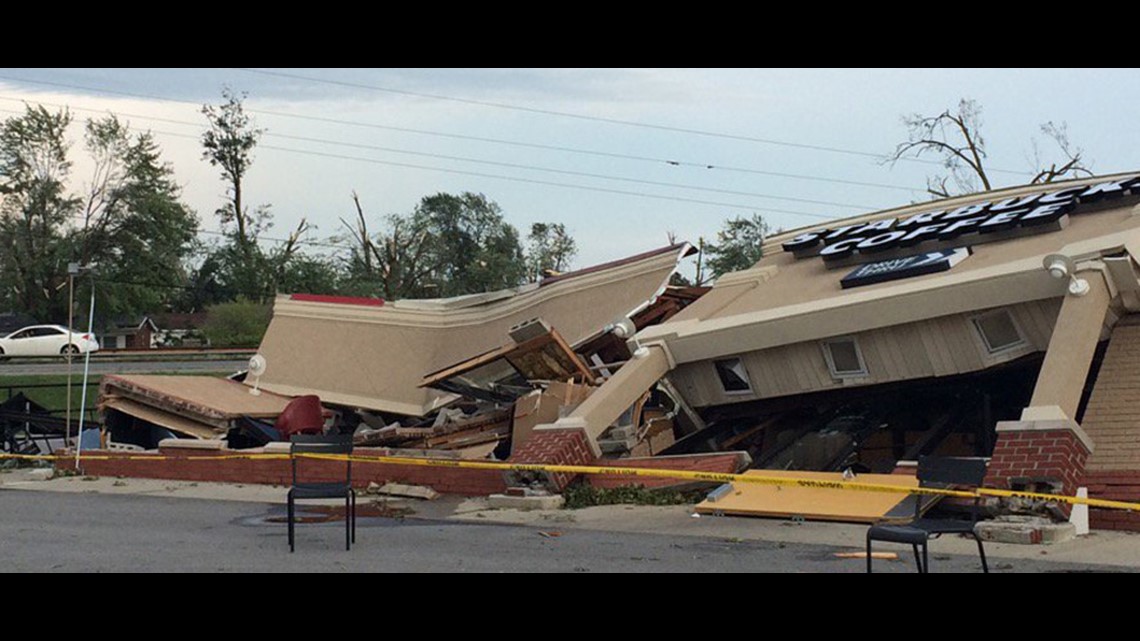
(1071, 348)
(375, 357)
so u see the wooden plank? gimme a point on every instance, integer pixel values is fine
(544, 357)
(729, 443)
(170, 421)
(472, 363)
(747, 499)
(200, 396)
(886, 556)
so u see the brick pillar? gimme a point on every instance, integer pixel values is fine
(570, 446)
(1039, 453)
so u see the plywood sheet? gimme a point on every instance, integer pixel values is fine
(813, 504)
(215, 398)
(165, 419)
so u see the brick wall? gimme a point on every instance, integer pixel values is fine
(552, 446)
(1112, 418)
(214, 466)
(1038, 455)
(195, 465)
(724, 463)
(1114, 486)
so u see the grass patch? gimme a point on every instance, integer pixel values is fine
(580, 495)
(53, 398)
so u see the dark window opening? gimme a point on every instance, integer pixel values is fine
(844, 358)
(733, 376)
(998, 331)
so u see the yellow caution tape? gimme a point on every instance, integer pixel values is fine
(632, 472)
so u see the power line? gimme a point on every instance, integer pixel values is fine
(552, 183)
(480, 160)
(517, 179)
(607, 154)
(615, 121)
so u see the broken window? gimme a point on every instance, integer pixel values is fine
(497, 381)
(844, 358)
(733, 376)
(503, 375)
(998, 331)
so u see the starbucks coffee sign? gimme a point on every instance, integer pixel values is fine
(948, 228)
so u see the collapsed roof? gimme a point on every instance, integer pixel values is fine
(374, 356)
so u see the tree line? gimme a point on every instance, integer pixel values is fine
(127, 219)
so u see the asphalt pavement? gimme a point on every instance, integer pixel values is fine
(130, 525)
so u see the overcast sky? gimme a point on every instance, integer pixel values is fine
(789, 143)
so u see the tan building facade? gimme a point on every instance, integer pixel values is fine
(1004, 321)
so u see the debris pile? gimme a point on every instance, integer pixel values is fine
(468, 377)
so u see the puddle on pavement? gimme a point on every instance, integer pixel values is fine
(326, 514)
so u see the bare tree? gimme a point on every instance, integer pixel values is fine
(955, 139)
(1071, 166)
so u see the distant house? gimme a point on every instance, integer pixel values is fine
(130, 334)
(155, 331)
(12, 321)
(180, 330)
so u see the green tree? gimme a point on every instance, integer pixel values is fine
(241, 323)
(128, 220)
(35, 211)
(448, 246)
(228, 145)
(739, 245)
(309, 275)
(133, 225)
(549, 247)
(470, 248)
(240, 266)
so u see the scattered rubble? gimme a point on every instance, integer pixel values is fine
(1027, 530)
(407, 491)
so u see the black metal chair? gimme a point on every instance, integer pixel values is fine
(333, 444)
(935, 472)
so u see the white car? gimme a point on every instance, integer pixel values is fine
(46, 340)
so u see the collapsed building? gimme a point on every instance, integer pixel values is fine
(466, 377)
(1002, 324)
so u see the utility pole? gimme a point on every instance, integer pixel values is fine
(72, 270)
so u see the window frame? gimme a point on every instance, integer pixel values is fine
(747, 376)
(825, 345)
(990, 350)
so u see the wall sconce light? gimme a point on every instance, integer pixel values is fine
(1061, 267)
(624, 328)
